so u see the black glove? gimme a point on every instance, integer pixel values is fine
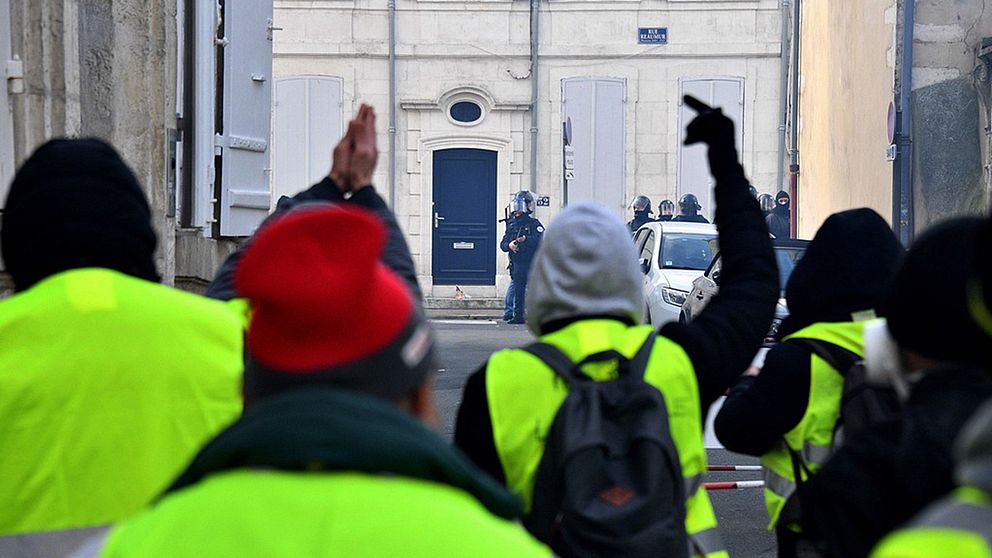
(716, 131)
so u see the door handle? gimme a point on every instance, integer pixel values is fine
(437, 219)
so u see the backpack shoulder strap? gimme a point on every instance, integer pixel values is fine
(839, 358)
(558, 361)
(565, 368)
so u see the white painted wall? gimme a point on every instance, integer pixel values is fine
(452, 47)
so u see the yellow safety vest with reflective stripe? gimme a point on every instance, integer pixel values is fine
(959, 526)
(524, 396)
(813, 437)
(108, 386)
(270, 514)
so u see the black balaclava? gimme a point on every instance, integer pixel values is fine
(782, 208)
(845, 269)
(76, 204)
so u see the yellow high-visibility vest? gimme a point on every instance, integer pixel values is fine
(271, 514)
(524, 396)
(108, 386)
(813, 437)
(959, 526)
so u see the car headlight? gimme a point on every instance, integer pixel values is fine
(674, 297)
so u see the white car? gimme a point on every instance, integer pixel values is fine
(672, 255)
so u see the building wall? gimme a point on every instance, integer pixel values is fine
(846, 76)
(106, 69)
(446, 47)
(949, 149)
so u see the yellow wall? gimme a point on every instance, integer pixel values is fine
(845, 88)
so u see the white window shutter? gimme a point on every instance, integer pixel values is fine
(595, 109)
(307, 120)
(244, 144)
(693, 174)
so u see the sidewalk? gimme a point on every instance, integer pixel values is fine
(464, 308)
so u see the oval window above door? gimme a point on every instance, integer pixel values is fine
(465, 112)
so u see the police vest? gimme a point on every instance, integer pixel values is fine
(108, 386)
(524, 396)
(812, 438)
(270, 514)
(959, 525)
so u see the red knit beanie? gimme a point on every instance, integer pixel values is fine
(326, 310)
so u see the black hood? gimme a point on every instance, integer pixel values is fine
(929, 307)
(75, 204)
(845, 269)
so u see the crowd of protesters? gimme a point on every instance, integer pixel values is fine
(289, 412)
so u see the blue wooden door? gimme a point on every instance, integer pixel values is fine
(464, 217)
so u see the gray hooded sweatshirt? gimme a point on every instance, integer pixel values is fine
(586, 266)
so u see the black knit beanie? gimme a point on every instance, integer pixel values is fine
(75, 204)
(929, 306)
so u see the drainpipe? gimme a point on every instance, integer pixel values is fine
(535, 6)
(902, 175)
(392, 104)
(784, 96)
(794, 144)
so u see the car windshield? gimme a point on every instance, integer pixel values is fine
(687, 251)
(787, 258)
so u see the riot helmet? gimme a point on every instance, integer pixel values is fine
(523, 202)
(666, 207)
(767, 202)
(689, 204)
(641, 203)
(753, 191)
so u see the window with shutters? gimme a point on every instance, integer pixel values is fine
(307, 123)
(226, 116)
(726, 93)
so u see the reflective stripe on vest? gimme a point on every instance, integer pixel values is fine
(524, 395)
(812, 438)
(275, 514)
(108, 386)
(959, 525)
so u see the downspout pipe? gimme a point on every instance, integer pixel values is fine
(902, 177)
(783, 97)
(794, 119)
(535, 20)
(392, 104)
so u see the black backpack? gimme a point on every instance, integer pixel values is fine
(862, 403)
(609, 482)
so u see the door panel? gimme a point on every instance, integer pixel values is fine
(593, 108)
(463, 218)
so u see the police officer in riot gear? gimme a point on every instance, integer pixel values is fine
(689, 209)
(523, 234)
(667, 210)
(642, 213)
(767, 203)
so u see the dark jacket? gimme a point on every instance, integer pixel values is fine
(695, 218)
(778, 222)
(883, 476)
(845, 269)
(527, 226)
(640, 217)
(720, 342)
(395, 254)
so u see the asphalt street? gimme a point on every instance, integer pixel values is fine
(464, 345)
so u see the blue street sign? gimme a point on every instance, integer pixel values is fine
(652, 35)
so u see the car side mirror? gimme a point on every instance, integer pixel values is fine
(645, 265)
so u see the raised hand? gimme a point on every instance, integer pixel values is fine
(365, 153)
(341, 166)
(714, 129)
